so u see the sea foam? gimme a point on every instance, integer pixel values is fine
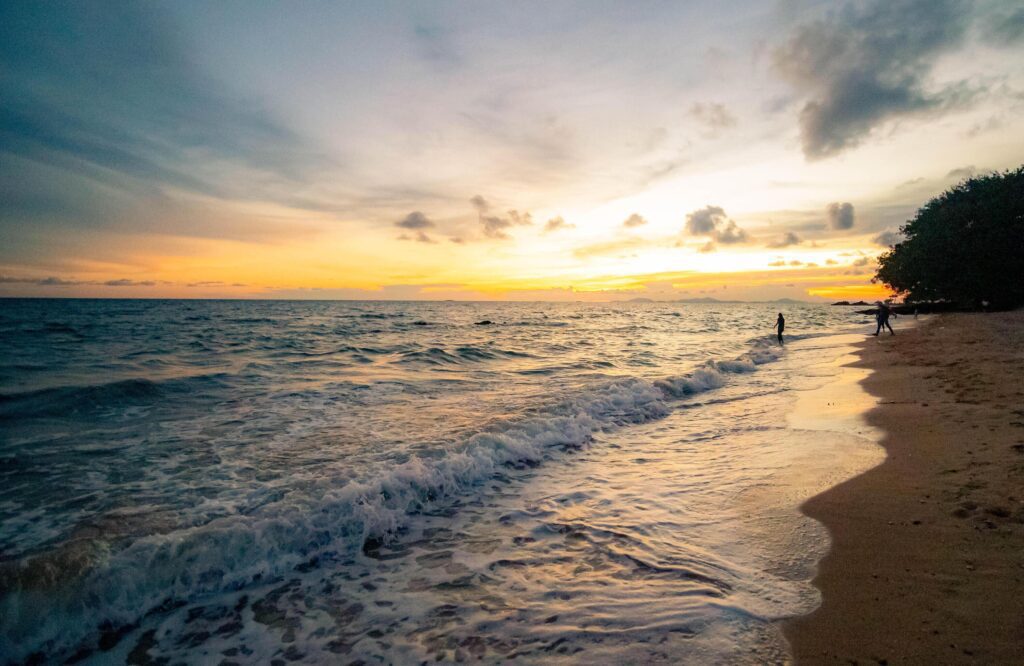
(113, 588)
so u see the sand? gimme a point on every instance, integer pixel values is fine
(927, 558)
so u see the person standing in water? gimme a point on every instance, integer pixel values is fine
(882, 317)
(780, 324)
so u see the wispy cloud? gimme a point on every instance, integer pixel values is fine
(712, 117)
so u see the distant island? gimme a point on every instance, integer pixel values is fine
(710, 300)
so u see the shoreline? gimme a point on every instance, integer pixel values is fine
(926, 563)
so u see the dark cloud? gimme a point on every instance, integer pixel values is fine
(712, 221)
(415, 220)
(634, 220)
(557, 223)
(790, 238)
(494, 226)
(481, 204)
(702, 222)
(863, 261)
(839, 215)
(888, 238)
(864, 66)
(715, 118)
(730, 233)
(419, 237)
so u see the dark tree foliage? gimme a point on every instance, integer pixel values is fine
(964, 246)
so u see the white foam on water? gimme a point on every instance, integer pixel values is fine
(47, 609)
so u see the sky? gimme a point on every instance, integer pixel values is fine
(480, 150)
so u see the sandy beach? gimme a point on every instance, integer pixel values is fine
(927, 564)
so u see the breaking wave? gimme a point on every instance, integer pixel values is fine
(104, 585)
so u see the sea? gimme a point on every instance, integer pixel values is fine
(217, 482)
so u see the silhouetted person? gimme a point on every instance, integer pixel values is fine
(780, 324)
(882, 317)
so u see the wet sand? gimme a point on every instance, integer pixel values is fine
(927, 558)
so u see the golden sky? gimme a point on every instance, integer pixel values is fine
(567, 151)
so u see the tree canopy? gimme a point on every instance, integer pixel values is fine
(965, 246)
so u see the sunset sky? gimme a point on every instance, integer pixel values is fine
(484, 150)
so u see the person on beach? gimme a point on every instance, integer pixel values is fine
(780, 324)
(882, 317)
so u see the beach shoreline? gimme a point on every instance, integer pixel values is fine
(925, 564)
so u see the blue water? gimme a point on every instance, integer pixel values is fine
(389, 482)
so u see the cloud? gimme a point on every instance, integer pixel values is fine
(780, 262)
(415, 220)
(712, 221)
(46, 281)
(730, 233)
(494, 226)
(124, 282)
(839, 215)
(962, 172)
(888, 238)
(634, 220)
(557, 223)
(715, 118)
(1006, 29)
(708, 247)
(71, 282)
(790, 238)
(703, 222)
(119, 102)
(865, 66)
(419, 237)
(863, 261)
(481, 204)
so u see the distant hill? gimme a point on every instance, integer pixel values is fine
(710, 300)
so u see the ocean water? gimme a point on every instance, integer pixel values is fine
(208, 481)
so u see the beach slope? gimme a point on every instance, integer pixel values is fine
(927, 558)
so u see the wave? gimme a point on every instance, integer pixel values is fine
(115, 588)
(464, 353)
(65, 400)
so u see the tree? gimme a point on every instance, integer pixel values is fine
(964, 246)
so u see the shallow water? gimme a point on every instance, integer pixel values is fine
(394, 482)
